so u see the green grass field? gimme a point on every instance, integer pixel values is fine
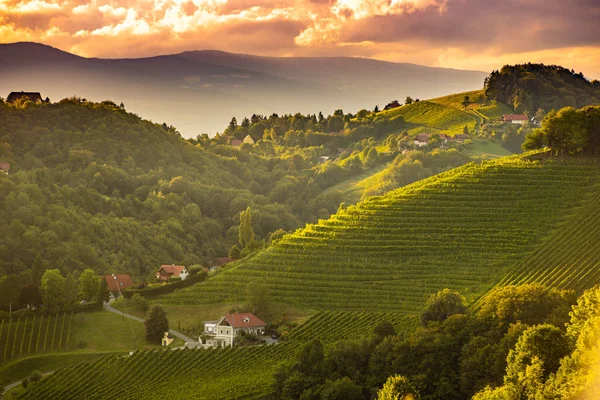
(486, 148)
(463, 229)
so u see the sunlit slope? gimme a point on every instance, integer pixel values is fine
(447, 114)
(464, 229)
(435, 116)
(570, 259)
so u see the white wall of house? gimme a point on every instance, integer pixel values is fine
(184, 274)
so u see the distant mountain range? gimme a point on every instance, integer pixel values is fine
(199, 91)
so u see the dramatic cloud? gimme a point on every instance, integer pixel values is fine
(472, 34)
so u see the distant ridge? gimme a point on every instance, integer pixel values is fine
(199, 91)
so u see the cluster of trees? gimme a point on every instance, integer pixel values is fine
(454, 354)
(528, 87)
(334, 131)
(568, 131)
(49, 290)
(94, 186)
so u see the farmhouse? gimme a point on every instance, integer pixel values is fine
(224, 331)
(393, 104)
(248, 139)
(166, 272)
(117, 283)
(322, 159)
(13, 97)
(219, 262)
(421, 140)
(4, 167)
(461, 137)
(236, 142)
(515, 118)
(446, 138)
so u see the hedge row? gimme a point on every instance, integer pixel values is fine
(167, 287)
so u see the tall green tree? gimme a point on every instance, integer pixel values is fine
(156, 325)
(247, 237)
(89, 285)
(53, 290)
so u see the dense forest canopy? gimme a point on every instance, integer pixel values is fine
(529, 87)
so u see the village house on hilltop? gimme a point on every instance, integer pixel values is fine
(36, 97)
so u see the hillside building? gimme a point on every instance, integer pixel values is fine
(421, 140)
(36, 97)
(166, 272)
(515, 118)
(236, 142)
(4, 168)
(117, 283)
(248, 139)
(393, 104)
(222, 333)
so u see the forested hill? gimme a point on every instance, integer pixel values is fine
(91, 185)
(529, 87)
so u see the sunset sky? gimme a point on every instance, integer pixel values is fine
(464, 34)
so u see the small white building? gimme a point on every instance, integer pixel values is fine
(248, 139)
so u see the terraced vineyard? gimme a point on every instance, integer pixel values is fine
(464, 229)
(570, 259)
(434, 116)
(332, 326)
(494, 110)
(165, 374)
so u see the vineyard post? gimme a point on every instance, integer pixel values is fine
(23, 337)
(62, 327)
(37, 340)
(14, 343)
(69, 331)
(7, 337)
(31, 335)
(46, 333)
(54, 331)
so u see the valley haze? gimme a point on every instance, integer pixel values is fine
(200, 91)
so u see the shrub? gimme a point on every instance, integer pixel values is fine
(35, 376)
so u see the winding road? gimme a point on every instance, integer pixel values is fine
(181, 336)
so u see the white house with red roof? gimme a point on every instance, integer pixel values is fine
(166, 272)
(229, 326)
(515, 118)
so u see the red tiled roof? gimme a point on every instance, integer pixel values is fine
(5, 166)
(423, 137)
(221, 261)
(174, 270)
(515, 117)
(124, 282)
(244, 320)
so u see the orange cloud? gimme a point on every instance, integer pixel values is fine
(471, 34)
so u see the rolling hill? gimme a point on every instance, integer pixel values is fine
(199, 91)
(464, 229)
